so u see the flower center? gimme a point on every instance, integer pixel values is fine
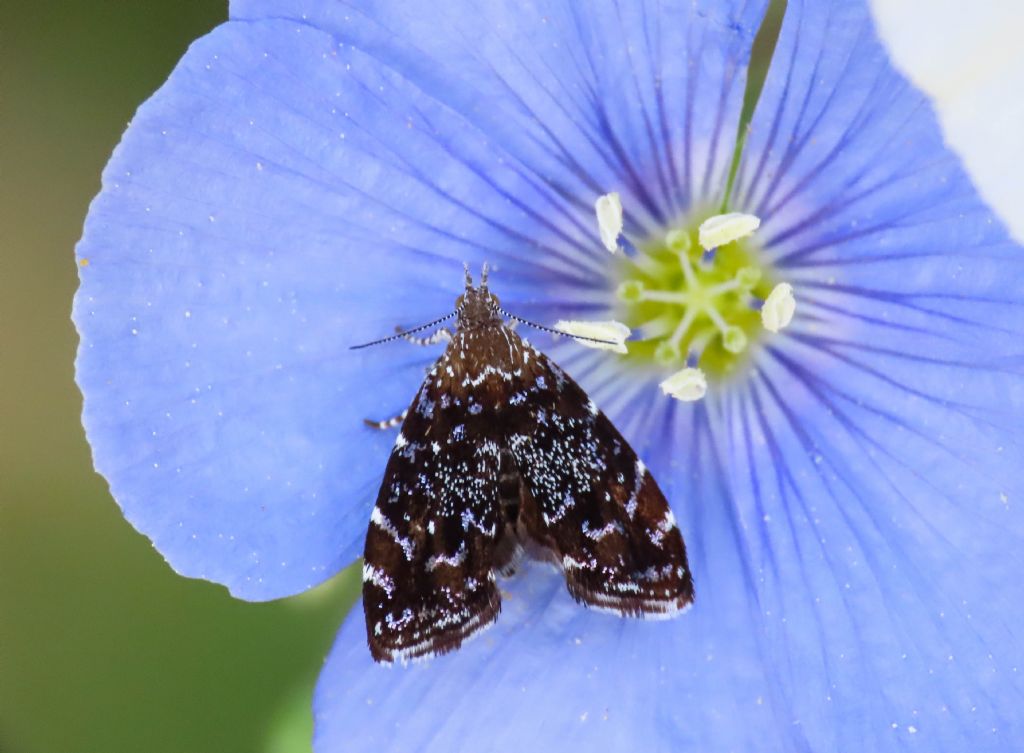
(690, 306)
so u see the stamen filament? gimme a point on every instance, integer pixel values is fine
(684, 324)
(715, 317)
(691, 278)
(723, 287)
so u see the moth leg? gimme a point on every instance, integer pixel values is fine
(441, 335)
(388, 423)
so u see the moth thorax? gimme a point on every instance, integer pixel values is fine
(477, 307)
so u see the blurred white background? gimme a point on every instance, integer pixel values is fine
(969, 56)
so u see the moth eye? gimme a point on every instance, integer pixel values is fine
(459, 301)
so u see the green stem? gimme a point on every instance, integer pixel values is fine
(760, 60)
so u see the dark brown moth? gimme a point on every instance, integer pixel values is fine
(502, 454)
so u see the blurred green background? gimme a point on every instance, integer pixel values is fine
(102, 647)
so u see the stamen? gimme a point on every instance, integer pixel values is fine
(615, 332)
(609, 220)
(725, 228)
(687, 385)
(779, 306)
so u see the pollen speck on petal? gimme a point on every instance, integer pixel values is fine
(778, 308)
(687, 385)
(612, 332)
(725, 228)
(609, 220)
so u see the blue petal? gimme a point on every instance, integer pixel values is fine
(638, 97)
(879, 442)
(286, 195)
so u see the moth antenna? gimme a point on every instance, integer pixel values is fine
(403, 333)
(469, 277)
(553, 331)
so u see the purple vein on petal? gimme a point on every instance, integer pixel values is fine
(965, 410)
(430, 185)
(861, 437)
(673, 191)
(796, 144)
(853, 128)
(830, 313)
(924, 592)
(844, 201)
(905, 300)
(810, 447)
(745, 187)
(788, 156)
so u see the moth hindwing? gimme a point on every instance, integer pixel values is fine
(502, 453)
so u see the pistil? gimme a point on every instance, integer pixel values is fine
(697, 311)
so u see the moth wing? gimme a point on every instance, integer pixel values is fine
(428, 572)
(589, 499)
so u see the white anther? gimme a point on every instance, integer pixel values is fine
(687, 385)
(609, 220)
(615, 332)
(725, 228)
(778, 308)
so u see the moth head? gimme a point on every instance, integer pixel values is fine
(477, 306)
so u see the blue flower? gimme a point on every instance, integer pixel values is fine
(850, 489)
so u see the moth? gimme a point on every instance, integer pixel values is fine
(500, 455)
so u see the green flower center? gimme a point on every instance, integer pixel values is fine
(690, 307)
